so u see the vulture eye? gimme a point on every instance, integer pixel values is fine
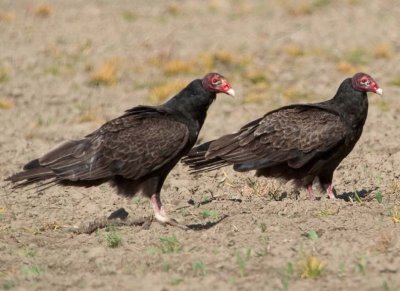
(216, 81)
(365, 82)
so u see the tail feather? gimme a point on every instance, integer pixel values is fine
(42, 168)
(32, 165)
(198, 162)
(32, 175)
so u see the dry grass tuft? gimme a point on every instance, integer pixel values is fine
(327, 211)
(7, 16)
(383, 51)
(204, 62)
(346, 68)
(357, 56)
(383, 243)
(175, 67)
(395, 214)
(394, 187)
(294, 50)
(6, 103)
(43, 10)
(48, 226)
(223, 58)
(107, 73)
(214, 6)
(90, 116)
(162, 92)
(259, 78)
(292, 95)
(174, 8)
(256, 98)
(311, 267)
(258, 88)
(302, 8)
(262, 188)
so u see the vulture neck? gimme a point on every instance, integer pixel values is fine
(192, 102)
(351, 104)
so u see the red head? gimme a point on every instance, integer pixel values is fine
(215, 82)
(365, 83)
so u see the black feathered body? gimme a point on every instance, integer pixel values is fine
(297, 142)
(135, 151)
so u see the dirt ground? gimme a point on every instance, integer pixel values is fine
(68, 66)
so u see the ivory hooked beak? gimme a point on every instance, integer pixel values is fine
(232, 92)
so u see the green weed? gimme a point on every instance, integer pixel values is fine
(199, 269)
(170, 244)
(112, 237)
(151, 251)
(378, 196)
(3, 75)
(311, 235)
(287, 276)
(175, 281)
(361, 265)
(34, 270)
(129, 15)
(206, 213)
(241, 260)
(166, 267)
(8, 284)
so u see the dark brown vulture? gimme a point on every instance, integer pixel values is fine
(298, 142)
(135, 151)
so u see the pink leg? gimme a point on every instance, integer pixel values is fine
(158, 208)
(160, 214)
(329, 190)
(310, 192)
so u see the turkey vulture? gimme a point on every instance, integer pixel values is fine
(135, 151)
(297, 142)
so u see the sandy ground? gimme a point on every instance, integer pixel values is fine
(67, 66)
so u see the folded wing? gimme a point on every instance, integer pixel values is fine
(131, 146)
(292, 135)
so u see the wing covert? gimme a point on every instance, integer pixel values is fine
(294, 135)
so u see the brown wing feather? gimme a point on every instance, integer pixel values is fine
(128, 146)
(292, 135)
(145, 147)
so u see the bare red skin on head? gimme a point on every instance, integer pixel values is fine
(215, 82)
(364, 83)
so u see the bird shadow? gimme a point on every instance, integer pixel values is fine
(211, 199)
(207, 225)
(355, 195)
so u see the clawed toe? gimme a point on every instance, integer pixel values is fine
(163, 219)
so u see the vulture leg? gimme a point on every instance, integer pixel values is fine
(160, 214)
(326, 183)
(330, 191)
(310, 192)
